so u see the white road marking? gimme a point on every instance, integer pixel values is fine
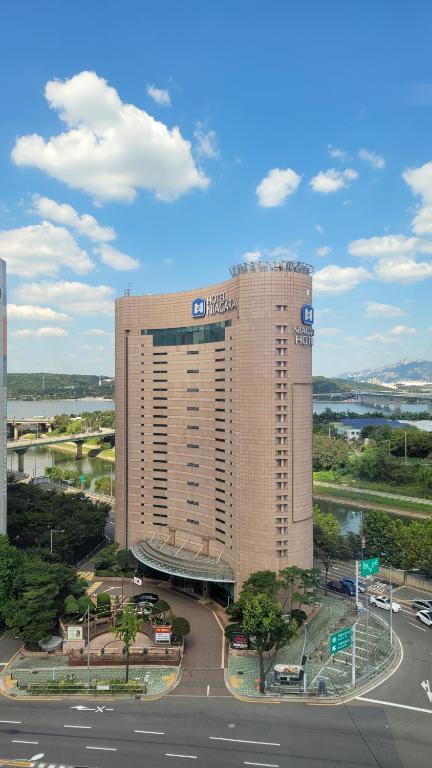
(189, 757)
(416, 626)
(208, 690)
(12, 722)
(156, 733)
(77, 726)
(392, 704)
(246, 741)
(19, 741)
(265, 765)
(105, 749)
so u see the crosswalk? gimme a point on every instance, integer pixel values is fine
(87, 575)
(94, 587)
(373, 585)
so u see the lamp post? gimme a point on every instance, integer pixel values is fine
(87, 613)
(53, 530)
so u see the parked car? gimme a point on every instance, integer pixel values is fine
(240, 641)
(384, 603)
(146, 597)
(362, 586)
(422, 605)
(341, 587)
(425, 617)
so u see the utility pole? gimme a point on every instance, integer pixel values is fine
(405, 441)
(391, 605)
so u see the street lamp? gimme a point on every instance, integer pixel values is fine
(87, 613)
(53, 530)
(391, 600)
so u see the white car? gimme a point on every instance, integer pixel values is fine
(384, 603)
(425, 617)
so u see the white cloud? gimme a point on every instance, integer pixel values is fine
(329, 331)
(375, 309)
(280, 252)
(420, 182)
(109, 149)
(279, 184)
(75, 297)
(251, 256)
(205, 142)
(116, 259)
(319, 229)
(62, 213)
(42, 249)
(160, 95)
(394, 334)
(324, 312)
(337, 153)
(44, 331)
(382, 247)
(332, 180)
(403, 270)
(334, 279)
(323, 250)
(95, 332)
(374, 160)
(35, 314)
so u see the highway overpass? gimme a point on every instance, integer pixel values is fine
(21, 446)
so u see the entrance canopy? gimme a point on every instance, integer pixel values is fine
(176, 561)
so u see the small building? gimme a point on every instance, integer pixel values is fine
(351, 428)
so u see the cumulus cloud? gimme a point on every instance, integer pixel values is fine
(42, 249)
(320, 229)
(337, 153)
(420, 182)
(329, 331)
(333, 180)
(74, 297)
(394, 334)
(374, 160)
(251, 256)
(280, 252)
(109, 149)
(205, 142)
(44, 331)
(279, 184)
(334, 279)
(62, 213)
(396, 257)
(35, 314)
(324, 250)
(375, 309)
(382, 247)
(116, 259)
(160, 95)
(96, 332)
(403, 270)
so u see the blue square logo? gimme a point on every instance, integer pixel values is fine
(307, 314)
(198, 308)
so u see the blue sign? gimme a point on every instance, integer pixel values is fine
(198, 308)
(307, 314)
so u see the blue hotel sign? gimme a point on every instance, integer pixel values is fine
(198, 308)
(307, 314)
(213, 305)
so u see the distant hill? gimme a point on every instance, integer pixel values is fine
(404, 370)
(57, 386)
(321, 385)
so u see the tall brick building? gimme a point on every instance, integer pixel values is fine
(214, 426)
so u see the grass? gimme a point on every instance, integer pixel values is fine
(413, 489)
(377, 501)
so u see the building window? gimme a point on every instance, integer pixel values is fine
(191, 464)
(192, 389)
(192, 445)
(191, 521)
(192, 370)
(281, 307)
(192, 408)
(192, 334)
(192, 426)
(192, 503)
(192, 352)
(191, 482)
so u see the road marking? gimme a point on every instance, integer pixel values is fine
(189, 757)
(392, 704)
(422, 629)
(19, 741)
(208, 690)
(246, 741)
(156, 733)
(12, 722)
(94, 587)
(426, 687)
(104, 749)
(223, 640)
(77, 726)
(265, 765)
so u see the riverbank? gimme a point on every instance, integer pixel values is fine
(105, 454)
(367, 500)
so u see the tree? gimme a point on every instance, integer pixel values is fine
(180, 627)
(11, 562)
(262, 581)
(124, 558)
(330, 453)
(329, 544)
(424, 478)
(106, 558)
(127, 629)
(105, 485)
(33, 615)
(263, 622)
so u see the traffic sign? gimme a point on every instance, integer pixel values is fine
(370, 566)
(82, 479)
(340, 640)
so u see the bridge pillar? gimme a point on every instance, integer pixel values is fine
(20, 453)
(79, 453)
(15, 432)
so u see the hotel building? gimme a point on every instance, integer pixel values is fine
(3, 399)
(214, 427)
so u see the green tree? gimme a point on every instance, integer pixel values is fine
(124, 558)
(262, 581)
(329, 544)
(106, 558)
(330, 453)
(105, 485)
(424, 478)
(34, 613)
(180, 627)
(127, 629)
(74, 427)
(11, 563)
(263, 622)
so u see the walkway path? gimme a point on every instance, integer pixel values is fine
(369, 491)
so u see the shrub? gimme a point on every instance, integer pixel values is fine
(180, 627)
(160, 607)
(103, 599)
(299, 615)
(124, 558)
(106, 558)
(232, 629)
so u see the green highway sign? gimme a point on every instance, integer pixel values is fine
(340, 640)
(82, 479)
(368, 567)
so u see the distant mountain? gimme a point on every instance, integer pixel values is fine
(57, 386)
(404, 370)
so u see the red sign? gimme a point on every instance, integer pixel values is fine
(163, 630)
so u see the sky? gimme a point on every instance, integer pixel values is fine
(153, 145)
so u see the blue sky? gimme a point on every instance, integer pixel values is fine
(157, 144)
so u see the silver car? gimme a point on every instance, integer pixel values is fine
(425, 617)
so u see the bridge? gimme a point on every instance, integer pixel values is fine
(21, 446)
(393, 401)
(38, 424)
